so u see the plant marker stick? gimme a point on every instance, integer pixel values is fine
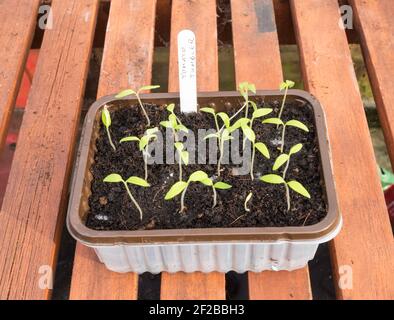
(187, 64)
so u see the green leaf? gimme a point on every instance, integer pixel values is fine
(129, 139)
(146, 88)
(238, 124)
(252, 87)
(166, 124)
(106, 117)
(297, 124)
(286, 85)
(198, 176)
(290, 84)
(151, 131)
(225, 134)
(208, 182)
(176, 189)
(143, 142)
(254, 105)
(295, 149)
(273, 121)
(185, 157)
(263, 149)
(113, 178)
(249, 133)
(138, 181)
(225, 118)
(299, 188)
(179, 146)
(181, 127)
(222, 186)
(208, 110)
(173, 120)
(273, 179)
(125, 93)
(171, 107)
(261, 112)
(280, 161)
(210, 136)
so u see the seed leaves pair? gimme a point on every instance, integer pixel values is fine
(294, 185)
(283, 158)
(130, 92)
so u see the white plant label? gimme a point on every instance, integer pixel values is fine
(187, 63)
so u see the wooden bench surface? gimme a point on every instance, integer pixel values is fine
(32, 214)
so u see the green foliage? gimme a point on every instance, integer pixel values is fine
(116, 178)
(176, 189)
(244, 88)
(132, 92)
(176, 126)
(143, 144)
(259, 146)
(286, 85)
(106, 119)
(197, 176)
(222, 134)
(290, 123)
(294, 185)
(285, 158)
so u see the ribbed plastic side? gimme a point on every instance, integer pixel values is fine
(222, 257)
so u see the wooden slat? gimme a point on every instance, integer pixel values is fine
(364, 248)
(127, 63)
(17, 22)
(260, 63)
(374, 23)
(200, 17)
(32, 213)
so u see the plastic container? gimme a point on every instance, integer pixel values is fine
(210, 249)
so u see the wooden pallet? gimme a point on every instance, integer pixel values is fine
(32, 214)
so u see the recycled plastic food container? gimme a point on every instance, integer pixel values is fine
(206, 250)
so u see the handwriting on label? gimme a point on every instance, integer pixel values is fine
(187, 62)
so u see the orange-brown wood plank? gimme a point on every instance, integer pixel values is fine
(260, 63)
(32, 213)
(374, 23)
(17, 21)
(362, 253)
(127, 63)
(200, 17)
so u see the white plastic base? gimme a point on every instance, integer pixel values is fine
(208, 257)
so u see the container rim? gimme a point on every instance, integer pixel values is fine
(325, 229)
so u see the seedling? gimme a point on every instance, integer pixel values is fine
(116, 178)
(176, 125)
(294, 185)
(257, 113)
(249, 196)
(290, 123)
(244, 89)
(143, 145)
(261, 147)
(197, 176)
(222, 134)
(286, 85)
(131, 92)
(106, 119)
(285, 159)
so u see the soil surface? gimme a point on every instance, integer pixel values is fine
(112, 209)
